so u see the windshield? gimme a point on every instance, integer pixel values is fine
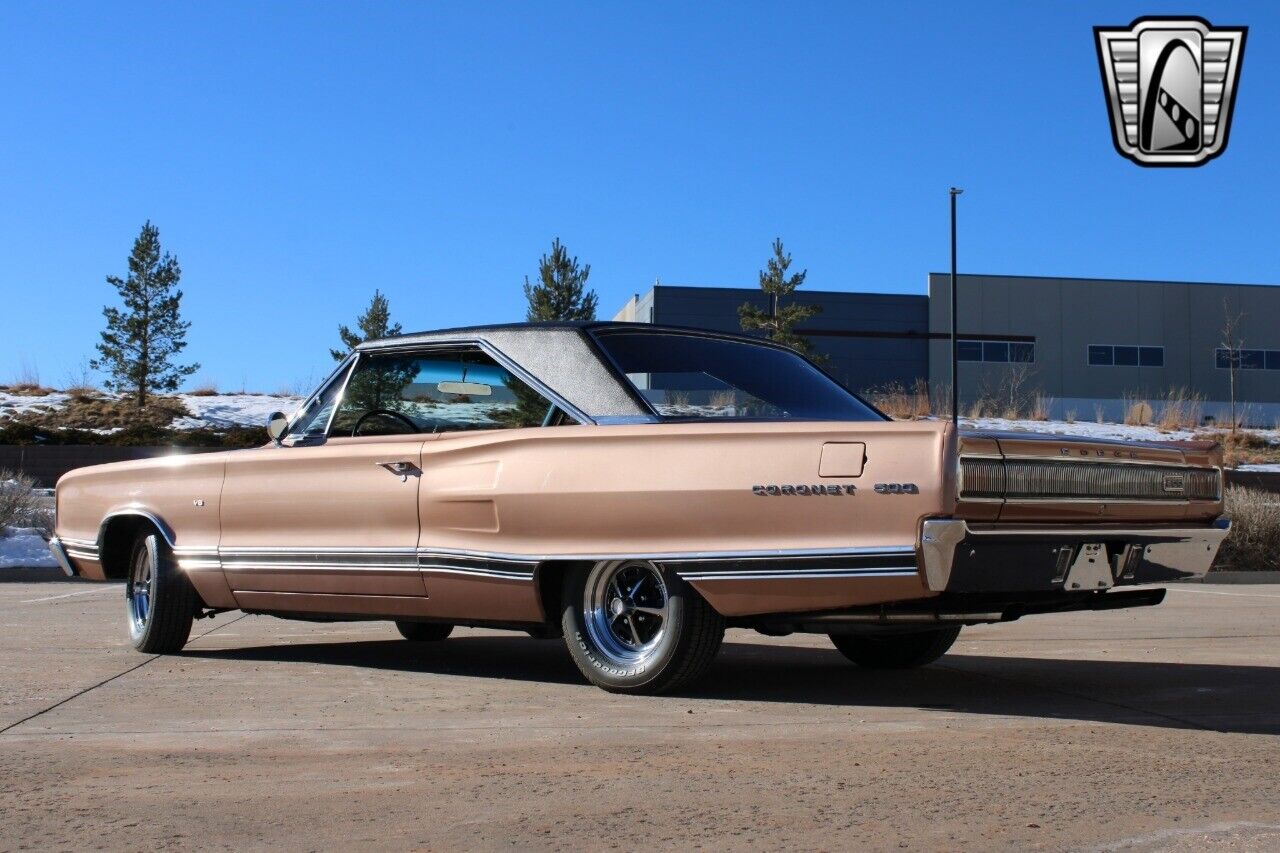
(688, 376)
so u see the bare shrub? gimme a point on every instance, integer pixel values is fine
(28, 375)
(1137, 411)
(722, 399)
(1254, 541)
(1041, 406)
(80, 383)
(901, 403)
(19, 504)
(980, 408)
(204, 388)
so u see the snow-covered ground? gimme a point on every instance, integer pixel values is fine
(217, 411)
(24, 548)
(224, 410)
(22, 404)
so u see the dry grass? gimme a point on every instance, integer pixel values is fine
(27, 389)
(1180, 409)
(1254, 541)
(1071, 416)
(1245, 448)
(204, 388)
(1041, 406)
(19, 506)
(678, 399)
(100, 412)
(903, 404)
(723, 400)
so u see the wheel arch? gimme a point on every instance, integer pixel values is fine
(549, 577)
(117, 533)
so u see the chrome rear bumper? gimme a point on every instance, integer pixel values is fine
(959, 557)
(60, 554)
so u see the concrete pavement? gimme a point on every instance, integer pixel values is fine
(1145, 729)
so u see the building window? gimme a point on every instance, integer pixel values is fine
(1247, 359)
(996, 352)
(1125, 355)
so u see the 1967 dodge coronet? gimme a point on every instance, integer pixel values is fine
(635, 489)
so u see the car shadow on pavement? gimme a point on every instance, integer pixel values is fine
(1214, 697)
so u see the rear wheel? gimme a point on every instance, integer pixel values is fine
(896, 651)
(635, 627)
(159, 599)
(424, 632)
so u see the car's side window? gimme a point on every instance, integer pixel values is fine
(435, 391)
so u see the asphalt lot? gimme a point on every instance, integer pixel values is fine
(1147, 729)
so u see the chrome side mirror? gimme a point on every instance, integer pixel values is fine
(277, 425)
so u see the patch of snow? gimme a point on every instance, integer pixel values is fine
(1262, 467)
(20, 404)
(24, 548)
(226, 410)
(1090, 429)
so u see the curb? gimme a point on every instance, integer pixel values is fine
(1241, 577)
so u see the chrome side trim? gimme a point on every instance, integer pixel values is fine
(814, 563)
(799, 574)
(60, 554)
(679, 556)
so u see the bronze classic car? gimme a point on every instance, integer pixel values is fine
(636, 489)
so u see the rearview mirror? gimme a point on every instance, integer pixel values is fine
(472, 389)
(277, 425)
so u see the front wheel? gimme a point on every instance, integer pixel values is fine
(896, 651)
(635, 627)
(159, 599)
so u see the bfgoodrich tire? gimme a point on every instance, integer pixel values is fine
(896, 651)
(424, 632)
(159, 599)
(635, 627)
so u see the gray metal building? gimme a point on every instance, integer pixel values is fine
(1089, 344)
(1092, 342)
(870, 339)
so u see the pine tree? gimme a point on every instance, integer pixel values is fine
(560, 293)
(373, 324)
(141, 341)
(779, 320)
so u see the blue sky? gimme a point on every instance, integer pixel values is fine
(296, 156)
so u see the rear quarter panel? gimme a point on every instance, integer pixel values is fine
(668, 488)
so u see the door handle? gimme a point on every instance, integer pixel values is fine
(401, 469)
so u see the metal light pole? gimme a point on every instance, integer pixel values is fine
(955, 344)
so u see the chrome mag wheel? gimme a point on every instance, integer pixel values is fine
(627, 610)
(140, 590)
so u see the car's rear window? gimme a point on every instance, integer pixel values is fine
(688, 376)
